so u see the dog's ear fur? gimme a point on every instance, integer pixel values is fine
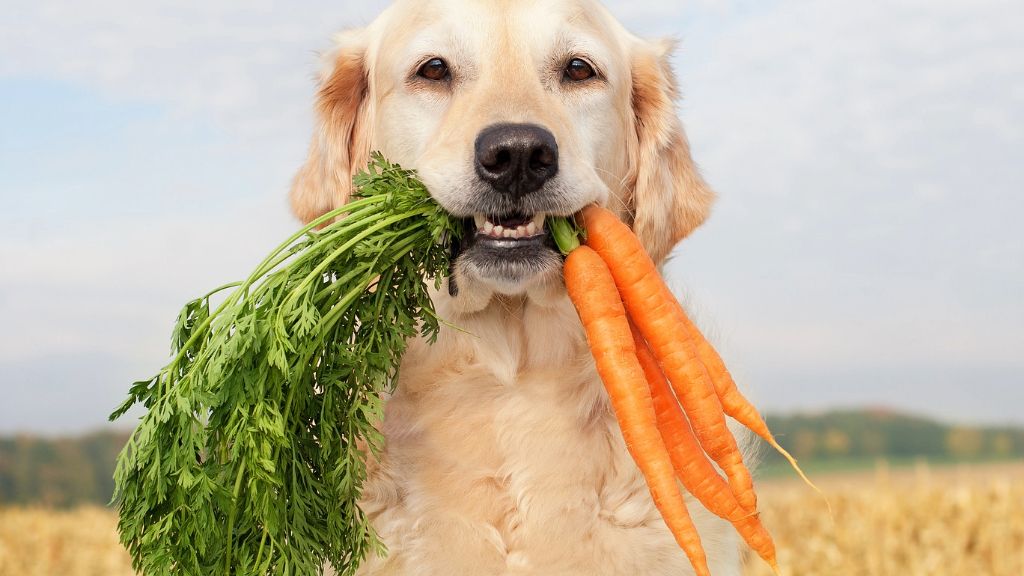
(669, 197)
(341, 140)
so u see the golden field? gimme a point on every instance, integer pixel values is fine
(950, 521)
(915, 522)
(81, 542)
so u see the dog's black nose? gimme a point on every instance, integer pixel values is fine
(516, 159)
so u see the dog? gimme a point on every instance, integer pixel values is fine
(502, 455)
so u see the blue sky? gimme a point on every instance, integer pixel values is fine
(865, 251)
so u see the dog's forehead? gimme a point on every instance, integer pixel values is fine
(425, 9)
(484, 27)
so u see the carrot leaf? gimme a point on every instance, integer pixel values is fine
(251, 454)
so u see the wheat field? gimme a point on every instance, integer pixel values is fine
(917, 522)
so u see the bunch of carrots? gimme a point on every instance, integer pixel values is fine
(669, 388)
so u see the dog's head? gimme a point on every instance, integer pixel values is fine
(509, 111)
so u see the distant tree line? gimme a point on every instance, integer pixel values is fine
(886, 434)
(59, 472)
(64, 472)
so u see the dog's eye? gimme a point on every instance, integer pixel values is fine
(435, 69)
(579, 70)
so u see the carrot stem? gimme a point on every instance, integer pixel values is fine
(565, 232)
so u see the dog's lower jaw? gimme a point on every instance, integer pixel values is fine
(467, 293)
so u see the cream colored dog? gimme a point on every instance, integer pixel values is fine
(502, 455)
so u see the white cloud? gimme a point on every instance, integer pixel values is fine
(248, 64)
(864, 153)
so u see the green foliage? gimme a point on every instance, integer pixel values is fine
(870, 434)
(58, 472)
(251, 456)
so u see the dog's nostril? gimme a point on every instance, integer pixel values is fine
(502, 161)
(496, 160)
(542, 158)
(516, 159)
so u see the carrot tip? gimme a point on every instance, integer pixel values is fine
(775, 567)
(792, 462)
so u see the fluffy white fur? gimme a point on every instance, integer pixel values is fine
(502, 455)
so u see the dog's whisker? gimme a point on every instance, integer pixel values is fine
(622, 204)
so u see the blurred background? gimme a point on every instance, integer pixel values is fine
(863, 271)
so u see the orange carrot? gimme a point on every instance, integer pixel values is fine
(592, 290)
(733, 402)
(658, 315)
(691, 464)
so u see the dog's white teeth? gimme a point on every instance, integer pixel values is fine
(530, 229)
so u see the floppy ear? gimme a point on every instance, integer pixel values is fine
(341, 142)
(669, 197)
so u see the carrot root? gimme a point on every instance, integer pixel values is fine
(682, 373)
(593, 293)
(665, 327)
(691, 464)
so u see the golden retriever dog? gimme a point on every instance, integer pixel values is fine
(502, 454)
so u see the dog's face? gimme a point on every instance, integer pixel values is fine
(514, 110)
(509, 111)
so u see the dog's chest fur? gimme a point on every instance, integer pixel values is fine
(503, 457)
